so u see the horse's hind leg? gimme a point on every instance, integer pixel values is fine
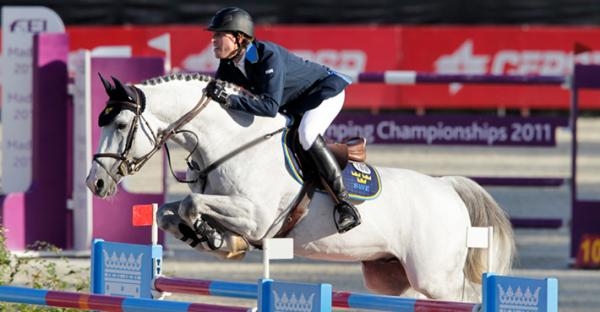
(442, 280)
(385, 277)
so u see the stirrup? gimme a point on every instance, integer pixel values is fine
(208, 234)
(353, 212)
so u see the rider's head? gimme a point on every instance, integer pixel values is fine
(233, 30)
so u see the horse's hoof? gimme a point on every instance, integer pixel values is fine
(236, 255)
(226, 255)
(237, 244)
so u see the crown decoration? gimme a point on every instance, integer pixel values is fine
(518, 300)
(292, 303)
(361, 177)
(122, 273)
(126, 264)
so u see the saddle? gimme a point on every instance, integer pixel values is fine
(354, 149)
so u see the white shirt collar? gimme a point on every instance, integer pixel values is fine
(241, 66)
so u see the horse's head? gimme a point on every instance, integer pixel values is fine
(117, 155)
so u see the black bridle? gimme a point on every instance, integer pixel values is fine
(129, 165)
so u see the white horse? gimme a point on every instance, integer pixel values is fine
(413, 235)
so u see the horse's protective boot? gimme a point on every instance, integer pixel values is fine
(330, 171)
(208, 234)
(236, 245)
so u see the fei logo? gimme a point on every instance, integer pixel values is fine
(34, 25)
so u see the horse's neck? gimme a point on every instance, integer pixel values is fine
(219, 131)
(166, 104)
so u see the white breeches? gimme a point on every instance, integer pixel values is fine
(315, 121)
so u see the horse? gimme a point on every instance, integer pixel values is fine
(412, 240)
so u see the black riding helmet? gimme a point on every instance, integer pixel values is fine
(234, 20)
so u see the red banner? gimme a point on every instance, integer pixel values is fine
(498, 51)
(353, 49)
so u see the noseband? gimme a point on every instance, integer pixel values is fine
(129, 165)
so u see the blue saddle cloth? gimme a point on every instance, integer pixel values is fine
(362, 180)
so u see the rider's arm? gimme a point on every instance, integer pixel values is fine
(268, 85)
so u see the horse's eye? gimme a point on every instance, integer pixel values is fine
(121, 126)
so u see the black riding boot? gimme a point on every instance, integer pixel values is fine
(329, 169)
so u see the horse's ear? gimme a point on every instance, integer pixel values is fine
(106, 83)
(118, 84)
(120, 88)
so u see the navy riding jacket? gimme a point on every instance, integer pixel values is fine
(282, 81)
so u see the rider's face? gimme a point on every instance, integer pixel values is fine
(224, 44)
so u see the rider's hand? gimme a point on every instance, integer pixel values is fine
(216, 91)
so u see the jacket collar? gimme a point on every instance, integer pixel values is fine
(251, 54)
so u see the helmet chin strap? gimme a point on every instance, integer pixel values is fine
(237, 51)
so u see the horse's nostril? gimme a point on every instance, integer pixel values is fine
(99, 184)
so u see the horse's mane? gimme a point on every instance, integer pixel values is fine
(196, 76)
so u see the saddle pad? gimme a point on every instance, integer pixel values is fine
(362, 180)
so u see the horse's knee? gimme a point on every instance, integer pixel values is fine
(188, 209)
(168, 221)
(166, 216)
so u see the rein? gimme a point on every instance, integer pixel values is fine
(236, 151)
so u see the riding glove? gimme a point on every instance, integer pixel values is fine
(216, 91)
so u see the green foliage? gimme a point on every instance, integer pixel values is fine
(56, 273)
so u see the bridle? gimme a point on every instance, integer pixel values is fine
(129, 165)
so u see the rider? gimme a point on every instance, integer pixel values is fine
(284, 83)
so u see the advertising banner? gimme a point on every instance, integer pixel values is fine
(353, 49)
(527, 51)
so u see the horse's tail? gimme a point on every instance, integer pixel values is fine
(484, 211)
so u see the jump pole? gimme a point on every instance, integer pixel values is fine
(340, 299)
(409, 77)
(76, 300)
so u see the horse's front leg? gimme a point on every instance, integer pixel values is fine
(168, 220)
(225, 222)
